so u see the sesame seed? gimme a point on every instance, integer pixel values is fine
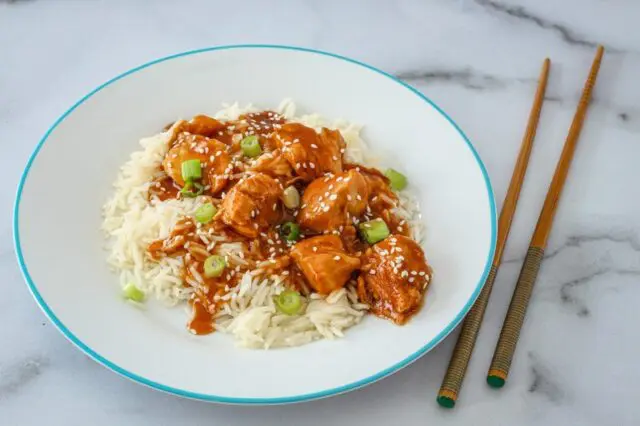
(404, 274)
(372, 271)
(336, 258)
(334, 158)
(315, 248)
(333, 197)
(400, 229)
(412, 279)
(312, 165)
(422, 273)
(414, 273)
(314, 146)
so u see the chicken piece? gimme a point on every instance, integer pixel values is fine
(324, 262)
(199, 125)
(273, 164)
(383, 196)
(309, 153)
(331, 202)
(213, 156)
(205, 126)
(252, 205)
(394, 278)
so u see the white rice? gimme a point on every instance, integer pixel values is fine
(131, 223)
(251, 317)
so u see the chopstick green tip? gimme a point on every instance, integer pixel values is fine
(495, 381)
(445, 402)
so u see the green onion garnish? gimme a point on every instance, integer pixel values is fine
(290, 231)
(397, 179)
(251, 146)
(214, 266)
(288, 302)
(374, 231)
(131, 292)
(291, 197)
(188, 189)
(205, 213)
(191, 170)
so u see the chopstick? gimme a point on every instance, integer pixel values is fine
(505, 349)
(461, 355)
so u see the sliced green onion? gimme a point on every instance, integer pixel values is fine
(214, 266)
(205, 213)
(397, 179)
(291, 197)
(131, 292)
(251, 146)
(191, 170)
(290, 231)
(188, 189)
(288, 302)
(374, 231)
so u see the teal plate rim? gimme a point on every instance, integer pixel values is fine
(250, 401)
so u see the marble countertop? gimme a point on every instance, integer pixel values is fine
(577, 361)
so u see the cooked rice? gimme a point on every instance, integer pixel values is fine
(131, 223)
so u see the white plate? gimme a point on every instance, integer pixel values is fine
(68, 178)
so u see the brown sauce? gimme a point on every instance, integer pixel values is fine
(268, 251)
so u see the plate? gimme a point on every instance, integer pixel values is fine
(60, 246)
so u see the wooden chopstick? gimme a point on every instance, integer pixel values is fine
(505, 349)
(463, 350)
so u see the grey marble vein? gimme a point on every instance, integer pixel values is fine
(14, 377)
(519, 12)
(626, 238)
(566, 289)
(465, 77)
(542, 380)
(14, 1)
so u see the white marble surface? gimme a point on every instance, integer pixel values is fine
(577, 361)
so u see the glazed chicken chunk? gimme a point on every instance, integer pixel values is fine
(213, 156)
(324, 262)
(309, 153)
(331, 202)
(252, 205)
(199, 125)
(273, 164)
(394, 278)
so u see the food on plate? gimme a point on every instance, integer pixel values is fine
(274, 228)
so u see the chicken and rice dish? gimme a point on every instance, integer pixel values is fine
(271, 227)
